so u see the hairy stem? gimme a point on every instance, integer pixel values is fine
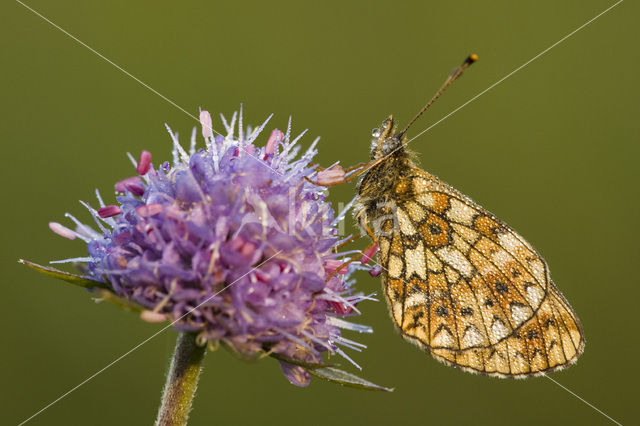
(182, 381)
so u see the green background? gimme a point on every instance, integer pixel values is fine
(552, 151)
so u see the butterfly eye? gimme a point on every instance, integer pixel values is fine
(375, 133)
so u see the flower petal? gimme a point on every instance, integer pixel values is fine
(296, 375)
(344, 378)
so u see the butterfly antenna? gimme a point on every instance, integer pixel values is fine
(452, 77)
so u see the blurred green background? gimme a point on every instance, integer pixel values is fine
(552, 150)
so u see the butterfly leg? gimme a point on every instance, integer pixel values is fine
(348, 240)
(369, 232)
(340, 268)
(335, 175)
(357, 166)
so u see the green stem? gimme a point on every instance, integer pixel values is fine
(182, 381)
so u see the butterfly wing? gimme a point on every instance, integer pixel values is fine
(464, 286)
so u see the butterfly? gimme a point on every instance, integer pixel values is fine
(459, 283)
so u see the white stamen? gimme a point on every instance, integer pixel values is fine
(290, 144)
(192, 145)
(231, 126)
(346, 325)
(99, 198)
(287, 134)
(73, 259)
(295, 141)
(85, 232)
(334, 297)
(95, 216)
(133, 160)
(240, 129)
(259, 130)
(177, 147)
(356, 346)
(345, 356)
(343, 212)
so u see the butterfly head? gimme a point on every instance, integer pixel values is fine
(385, 140)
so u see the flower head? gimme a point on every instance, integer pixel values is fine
(230, 242)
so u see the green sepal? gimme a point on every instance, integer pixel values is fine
(305, 365)
(346, 379)
(78, 280)
(99, 289)
(126, 304)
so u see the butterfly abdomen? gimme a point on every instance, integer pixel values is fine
(382, 189)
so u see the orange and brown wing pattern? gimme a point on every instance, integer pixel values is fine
(470, 290)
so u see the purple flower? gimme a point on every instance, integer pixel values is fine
(232, 243)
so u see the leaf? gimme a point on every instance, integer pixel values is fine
(346, 379)
(78, 280)
(306, 365)
(100, 289)
(125, 304)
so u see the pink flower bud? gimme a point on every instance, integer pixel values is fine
(275, 138)
(135, 189)
(341, 308)
(63, 231)
(376, 271)
(250, 149)
(330, 265)
(207, 124)
(122, 185)
(144, 164)
(109, 211)
(331, 176)
(150, 316)
(368, 254)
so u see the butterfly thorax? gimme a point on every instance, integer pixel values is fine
(381, 187)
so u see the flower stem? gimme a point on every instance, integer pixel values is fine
(182, 381)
